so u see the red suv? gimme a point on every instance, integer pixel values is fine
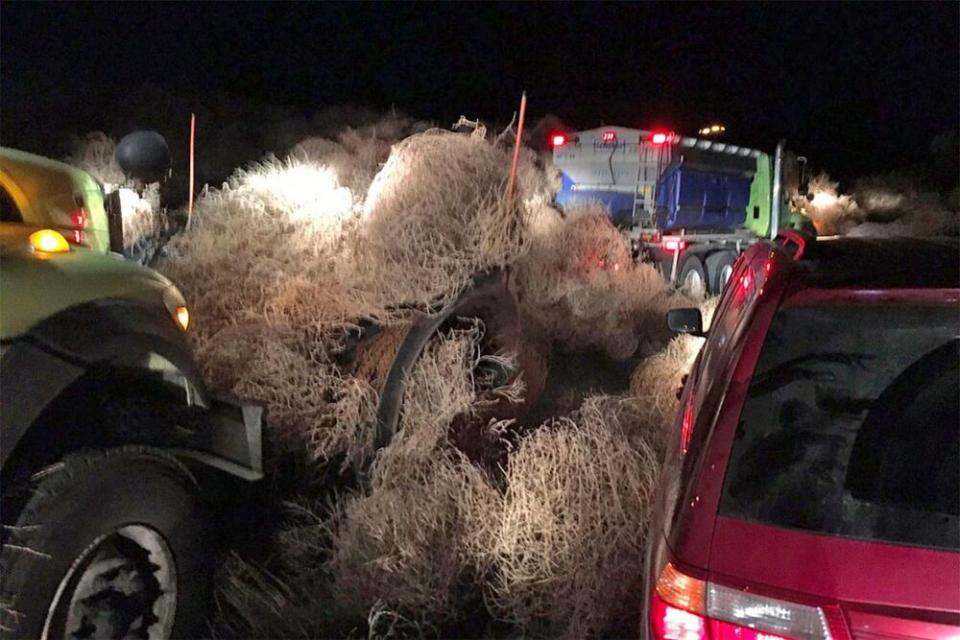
(813, 488)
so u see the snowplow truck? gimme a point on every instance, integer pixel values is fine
(117, 464)
(689, 206)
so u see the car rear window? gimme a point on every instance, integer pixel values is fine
(851, 426)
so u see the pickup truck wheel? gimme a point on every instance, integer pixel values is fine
(719, 269)
(693, 278)
(112, 544)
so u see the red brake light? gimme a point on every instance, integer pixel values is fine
(686, 425)
(608, 136)
(79, 218)
(671, 245)
(685, 608)
(661, 137)
(678, 606)
(671, 623)
(558, 139)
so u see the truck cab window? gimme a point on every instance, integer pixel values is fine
(8, 208)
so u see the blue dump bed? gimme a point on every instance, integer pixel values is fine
(619, 203)
(691, 199)
(704, 191)
(700, 185)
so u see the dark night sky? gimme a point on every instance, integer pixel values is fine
(858, 87)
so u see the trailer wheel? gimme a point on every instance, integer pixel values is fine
(719, 269)
(693, 278)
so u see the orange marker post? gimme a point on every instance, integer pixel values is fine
(193, 133)
(516, 149)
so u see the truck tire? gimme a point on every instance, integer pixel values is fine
(693, 278)
(719, 269)
(112, 544)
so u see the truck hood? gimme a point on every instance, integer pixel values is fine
(35, 286)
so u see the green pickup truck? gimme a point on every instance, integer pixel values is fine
(114, 456)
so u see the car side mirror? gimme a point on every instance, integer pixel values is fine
(804, 187)
(144, 156)
(688, 321)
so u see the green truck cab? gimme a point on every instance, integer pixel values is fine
(44, 192)
(113, 454)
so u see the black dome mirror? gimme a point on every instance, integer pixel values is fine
(144, 156)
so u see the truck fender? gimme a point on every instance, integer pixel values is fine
(39, 366)
(122, 333)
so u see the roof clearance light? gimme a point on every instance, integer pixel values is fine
(48, 241)
(558, 139)
(608, 136)
(713, 130)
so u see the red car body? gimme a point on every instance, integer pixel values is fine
(759, 531)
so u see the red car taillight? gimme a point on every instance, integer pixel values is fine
(686, 608)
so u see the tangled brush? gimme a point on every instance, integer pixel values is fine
(94, 153)
(579, 285)
(284, 263)
(264, 247)
(881, 206)
(402, 543)
(567, 549)
(434, 216)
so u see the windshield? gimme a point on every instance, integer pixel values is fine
(852, 425)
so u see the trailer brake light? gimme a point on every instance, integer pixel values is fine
(661, 137)
(674, 245)
(558, 139)
(608, 137)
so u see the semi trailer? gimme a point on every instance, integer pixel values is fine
(690, 206)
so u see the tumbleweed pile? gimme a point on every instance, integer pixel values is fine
(293, 258)
(881, 207)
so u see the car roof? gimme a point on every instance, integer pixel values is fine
(879, 263)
